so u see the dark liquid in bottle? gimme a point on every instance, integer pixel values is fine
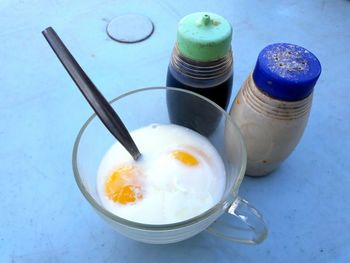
(193, 112)
(220, 94)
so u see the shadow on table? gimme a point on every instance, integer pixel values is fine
(203, 247)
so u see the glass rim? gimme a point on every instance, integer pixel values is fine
(222, 203)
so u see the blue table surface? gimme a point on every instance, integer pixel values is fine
(44, 217)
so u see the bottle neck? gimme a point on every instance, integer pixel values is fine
(198, 73)
(273, 108)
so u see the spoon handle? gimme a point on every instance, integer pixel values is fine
(96, 100)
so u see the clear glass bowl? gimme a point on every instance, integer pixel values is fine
(142, 107)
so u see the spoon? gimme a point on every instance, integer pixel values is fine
(96, 100)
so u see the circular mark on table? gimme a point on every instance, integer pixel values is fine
(130, 28)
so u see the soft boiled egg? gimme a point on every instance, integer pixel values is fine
(181, 169)
(179, 176)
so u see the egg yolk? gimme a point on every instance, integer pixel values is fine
(185, 157)
(123, 185)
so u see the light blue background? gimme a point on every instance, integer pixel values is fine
(44, 217)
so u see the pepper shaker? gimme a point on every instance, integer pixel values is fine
(273, 104)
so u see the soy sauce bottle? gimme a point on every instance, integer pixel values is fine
(201, 62)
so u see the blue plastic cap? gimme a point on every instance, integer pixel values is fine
(286, 71)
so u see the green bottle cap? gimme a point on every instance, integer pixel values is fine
(204, 36)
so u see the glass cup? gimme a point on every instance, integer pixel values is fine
(142, 107)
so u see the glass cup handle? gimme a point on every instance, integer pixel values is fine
(250, 228)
